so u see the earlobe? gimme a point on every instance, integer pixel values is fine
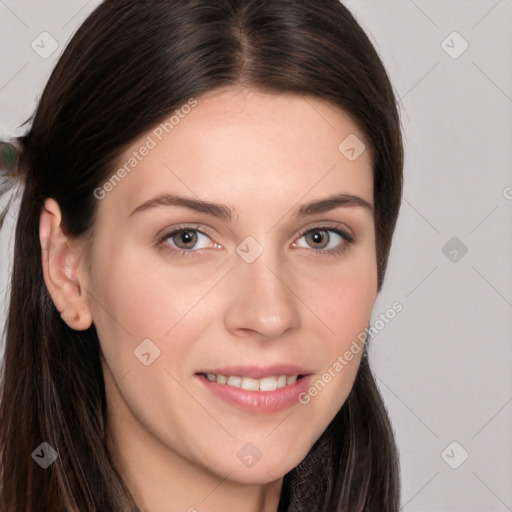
(60, 264)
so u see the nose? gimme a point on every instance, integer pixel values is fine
(261, 299)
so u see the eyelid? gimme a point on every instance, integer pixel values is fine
(167, 232)
(342, 229)
(328, 226)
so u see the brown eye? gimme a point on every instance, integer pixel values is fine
(187, 241)
(318, 238)
(325, 240)
(184, 239)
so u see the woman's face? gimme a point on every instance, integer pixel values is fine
(260, 281)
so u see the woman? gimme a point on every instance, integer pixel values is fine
(210, 192)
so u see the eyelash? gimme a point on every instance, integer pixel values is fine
(159, 240)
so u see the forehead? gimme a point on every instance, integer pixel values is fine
(253, 146)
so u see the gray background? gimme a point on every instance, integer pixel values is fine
(444, 363)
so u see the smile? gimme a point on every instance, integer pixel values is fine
(250, 384)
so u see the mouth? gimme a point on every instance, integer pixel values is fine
(257, 389)
(268, 383)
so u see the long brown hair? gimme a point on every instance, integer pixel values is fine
(128, 66)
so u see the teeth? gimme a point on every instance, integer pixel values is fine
(234, 381)
(268, 384)
(291, 379)
(250, 384)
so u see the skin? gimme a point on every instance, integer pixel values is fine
(173, 441)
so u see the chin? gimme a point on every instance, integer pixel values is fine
(263, 470)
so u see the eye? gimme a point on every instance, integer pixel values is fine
(185, 241)
(326, 239)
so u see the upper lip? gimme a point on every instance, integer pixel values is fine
(258, 371)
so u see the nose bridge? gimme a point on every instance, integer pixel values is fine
(261, 298)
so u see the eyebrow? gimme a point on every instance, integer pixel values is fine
(227, 213)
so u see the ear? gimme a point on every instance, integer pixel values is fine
(61, 260)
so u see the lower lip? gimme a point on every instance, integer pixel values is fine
(258, 401)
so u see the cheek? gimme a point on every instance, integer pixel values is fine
(133, 296)
(343, 301)
(352, 301)
(134, 302)
(344, 298)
